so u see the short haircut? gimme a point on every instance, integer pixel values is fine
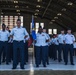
(40, 27)
(44, 28)
(69, 29)
(3, 25)
(62, 30)
(18, 20)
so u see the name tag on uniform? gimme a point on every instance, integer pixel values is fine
(43, 35)
(71, 36)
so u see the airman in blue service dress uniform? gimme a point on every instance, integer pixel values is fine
(4, 34)
(54, 45)
(61, 45)
(41, 47)
(44, 31)
(69, 40)
(18, 33)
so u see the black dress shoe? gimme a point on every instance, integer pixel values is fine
(37, 66)
(65, 63)
(47, 63)
(59, 61)
(25, 63)
(72, 63)
(14, 68)
(44, 65)
(7, 63)
(22, 68)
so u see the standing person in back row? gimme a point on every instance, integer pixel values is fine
(18, 33)
(4, 34)
(44, 31)
(69, 41)
(41, 47)
(61, 45)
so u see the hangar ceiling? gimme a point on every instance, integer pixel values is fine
(61, 12)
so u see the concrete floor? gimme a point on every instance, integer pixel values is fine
(54, 65)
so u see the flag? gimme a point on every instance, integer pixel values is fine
(30, 42)
(33, 29)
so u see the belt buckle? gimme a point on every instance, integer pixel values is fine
(3, 41)
(18, 41)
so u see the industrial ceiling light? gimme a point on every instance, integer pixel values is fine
(38, 6)
(52, 20)
(15, 1)
(18, 13)
(16, 6)
(59, 14)
(70, 3)
(39, 0)
(55, 17)
(17, 10)
(2, 13)
(36, 14)
(51, 23)
(27, 6)
(37, 10)
(64, 9)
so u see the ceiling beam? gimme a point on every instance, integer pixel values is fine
(47, 8)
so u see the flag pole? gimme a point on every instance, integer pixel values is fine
(33, 53)
(33, 48)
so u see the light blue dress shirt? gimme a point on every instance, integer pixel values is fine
(55, 41)
(69, 39)
(41, 39)
(61, 38)
(19, 33)
(4, 35)
(48, 43)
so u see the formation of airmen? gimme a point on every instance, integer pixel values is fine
(55, 47)
(14, 46)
